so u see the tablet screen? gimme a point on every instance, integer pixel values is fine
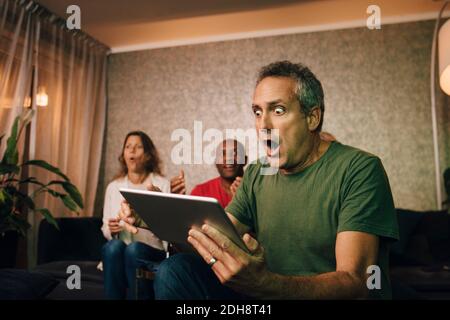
(171, 216)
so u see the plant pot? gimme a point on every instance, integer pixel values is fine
(8, 249)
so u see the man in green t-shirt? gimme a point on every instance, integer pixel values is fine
(322, 223)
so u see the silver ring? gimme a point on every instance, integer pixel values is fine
(212, 261)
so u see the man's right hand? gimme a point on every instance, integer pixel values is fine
(177, 184)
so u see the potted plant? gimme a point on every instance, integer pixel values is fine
(14, 202)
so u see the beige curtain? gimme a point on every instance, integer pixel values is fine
(18, 36)
(69, 131)
(71, 69)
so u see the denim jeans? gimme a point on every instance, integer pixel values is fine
(119, 269)
(186, 276)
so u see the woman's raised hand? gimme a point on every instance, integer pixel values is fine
(151, 187)
(178, 184)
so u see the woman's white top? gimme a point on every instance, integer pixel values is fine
(111, 208)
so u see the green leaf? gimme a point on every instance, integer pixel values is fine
(16, 222)
(6, 202)
(3, 196)
(47, 166)
(9, 168)
(1, 138)
(48, 216)
(23, 199)
(32, 180)
(58, 182)
(69, 203)
(54, 193)
(70, 189)
(73, 193)
(9, 219)
(11, 155)
(25, 119)
(26, 116)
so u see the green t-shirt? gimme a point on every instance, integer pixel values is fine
(296, 217)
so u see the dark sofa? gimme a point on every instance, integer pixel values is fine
(78, 242)
(419, 262)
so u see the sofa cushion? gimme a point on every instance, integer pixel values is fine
(88, 291)
(16, 284)
(91, 280)
(58, 270)
(433, 278)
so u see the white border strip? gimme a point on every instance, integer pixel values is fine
(275, 32)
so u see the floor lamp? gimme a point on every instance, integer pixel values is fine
(441, 39)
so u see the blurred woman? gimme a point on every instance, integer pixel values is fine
(130, 248)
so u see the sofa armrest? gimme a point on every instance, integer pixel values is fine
(77, 239)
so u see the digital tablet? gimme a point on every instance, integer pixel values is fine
(170, 216)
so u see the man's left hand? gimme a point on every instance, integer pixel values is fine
(234, 267)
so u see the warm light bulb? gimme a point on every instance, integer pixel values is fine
(444, 57)
(42, 97)
(444, 80)
(27, 102)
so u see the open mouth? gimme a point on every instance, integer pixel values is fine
(272, 147)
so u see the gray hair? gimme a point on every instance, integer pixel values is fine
(309, 90)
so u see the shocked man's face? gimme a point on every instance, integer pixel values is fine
(275, 106)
